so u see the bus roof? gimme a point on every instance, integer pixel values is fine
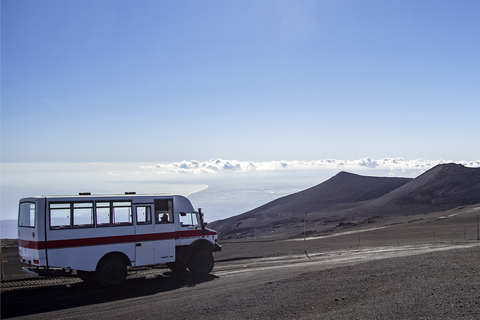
(180, 203)
(122, 195)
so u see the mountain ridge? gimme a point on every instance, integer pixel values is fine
(351, 197)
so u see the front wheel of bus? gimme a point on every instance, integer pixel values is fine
(201, 262)
(111, 272)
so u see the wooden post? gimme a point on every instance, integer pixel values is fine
(478, 230)
(305, 234)
(1, 257)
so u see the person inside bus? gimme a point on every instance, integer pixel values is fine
(164, 218)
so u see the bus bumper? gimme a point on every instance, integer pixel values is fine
(41, 272)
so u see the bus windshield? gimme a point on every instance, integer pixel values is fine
(189, 219)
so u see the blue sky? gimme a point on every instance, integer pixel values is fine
(167, 81)
(247, 80)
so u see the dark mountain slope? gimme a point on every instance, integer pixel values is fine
(344, 188)
(441, 188)
(350, 197)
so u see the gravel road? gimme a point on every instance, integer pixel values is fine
(429, 281)
(425, 267)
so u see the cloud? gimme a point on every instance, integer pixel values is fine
(228, 181)
(219, 165)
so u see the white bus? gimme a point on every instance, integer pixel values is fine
(101, 237)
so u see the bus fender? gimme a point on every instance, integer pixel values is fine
(121, 255)
(201, 244)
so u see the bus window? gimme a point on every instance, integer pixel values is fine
(83, 215)
(68, 215)
(103, 214)
(189, 219)
(114, 213)
(122, 213)
(26, 217)
(144, 216)
(163, 211)
(60, 216)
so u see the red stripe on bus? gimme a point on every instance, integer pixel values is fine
(68, 243)
(37, 245)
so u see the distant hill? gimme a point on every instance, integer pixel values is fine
(441, 188)
(351, 198)
(286, 214)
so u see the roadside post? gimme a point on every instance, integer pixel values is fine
(1, 258)
(478, 230)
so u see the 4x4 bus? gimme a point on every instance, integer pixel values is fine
(102, 237)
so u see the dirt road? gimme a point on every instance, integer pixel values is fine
(402, 281)
(423, 267)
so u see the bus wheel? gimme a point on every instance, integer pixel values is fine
(201, 262)
(111, 272)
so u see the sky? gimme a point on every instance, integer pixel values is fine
(94, 85)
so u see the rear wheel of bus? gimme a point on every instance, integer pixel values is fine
(111, 271)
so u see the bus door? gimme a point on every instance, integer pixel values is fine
(164, 228)
(155, 238)
(190, 228)
(144, 230)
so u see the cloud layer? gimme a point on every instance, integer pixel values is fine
(233, 186)
(219, 165)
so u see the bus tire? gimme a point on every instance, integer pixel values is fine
(201, 262)
(111, 272)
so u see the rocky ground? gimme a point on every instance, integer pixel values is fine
(417, 267)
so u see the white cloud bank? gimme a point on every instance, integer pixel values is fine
(222, 187)
(219, 165)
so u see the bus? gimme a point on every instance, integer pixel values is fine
(102, 237)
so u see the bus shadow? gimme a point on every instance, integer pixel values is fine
(25, 302)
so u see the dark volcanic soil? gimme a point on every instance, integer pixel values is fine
(348, 277)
